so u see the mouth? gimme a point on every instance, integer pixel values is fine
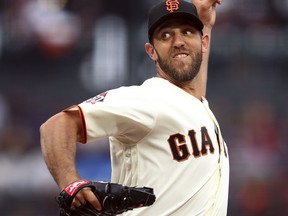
(180, 55)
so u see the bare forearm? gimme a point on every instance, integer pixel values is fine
(203, 73)
(207, 13)
(208, 31)
(58, 144)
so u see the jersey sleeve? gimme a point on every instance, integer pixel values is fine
(118, 113)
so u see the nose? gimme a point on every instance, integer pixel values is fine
(178, 40)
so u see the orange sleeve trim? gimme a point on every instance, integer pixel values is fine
(83, 122)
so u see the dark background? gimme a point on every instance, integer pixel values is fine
(55, 53)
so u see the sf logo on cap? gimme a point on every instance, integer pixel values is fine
(172, 5)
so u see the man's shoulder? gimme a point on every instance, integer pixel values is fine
(133, 89)
(155, 81)
(150, 90)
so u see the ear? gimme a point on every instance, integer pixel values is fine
(205, 43)
(150, 50)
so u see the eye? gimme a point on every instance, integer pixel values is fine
(165, 35)
(188, 31)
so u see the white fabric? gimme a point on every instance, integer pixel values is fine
(141, 121)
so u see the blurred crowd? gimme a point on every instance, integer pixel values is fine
(55, 53)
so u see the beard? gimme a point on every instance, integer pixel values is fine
(180, 71)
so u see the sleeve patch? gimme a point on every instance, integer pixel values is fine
(98, 98)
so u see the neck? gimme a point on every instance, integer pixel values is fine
(190, 86)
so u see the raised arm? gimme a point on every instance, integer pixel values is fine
(207, 13)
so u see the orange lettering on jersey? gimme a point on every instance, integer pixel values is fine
(195, 147)
(179, 147)
(206, 141)
(172, 5)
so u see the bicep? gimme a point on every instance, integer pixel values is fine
(72, 120)
(63, 124)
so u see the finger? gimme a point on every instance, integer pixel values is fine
(208, 2)
(78, 200)
(219, 2)
(76, 204)
(92, 199)
(213, 3)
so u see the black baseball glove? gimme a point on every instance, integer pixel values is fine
(114, 198)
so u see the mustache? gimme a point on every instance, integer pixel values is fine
(177, 50)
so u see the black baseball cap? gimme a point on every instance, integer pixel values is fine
(172, 8)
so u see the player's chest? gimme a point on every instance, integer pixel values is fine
(189, 133)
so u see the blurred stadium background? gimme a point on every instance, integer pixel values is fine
(55, 53)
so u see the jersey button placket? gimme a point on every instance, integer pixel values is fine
(128, 159)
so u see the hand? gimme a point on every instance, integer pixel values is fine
(86, 195)
(207, 11)
(83, 197)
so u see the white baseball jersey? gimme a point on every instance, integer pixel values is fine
(164, 138)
